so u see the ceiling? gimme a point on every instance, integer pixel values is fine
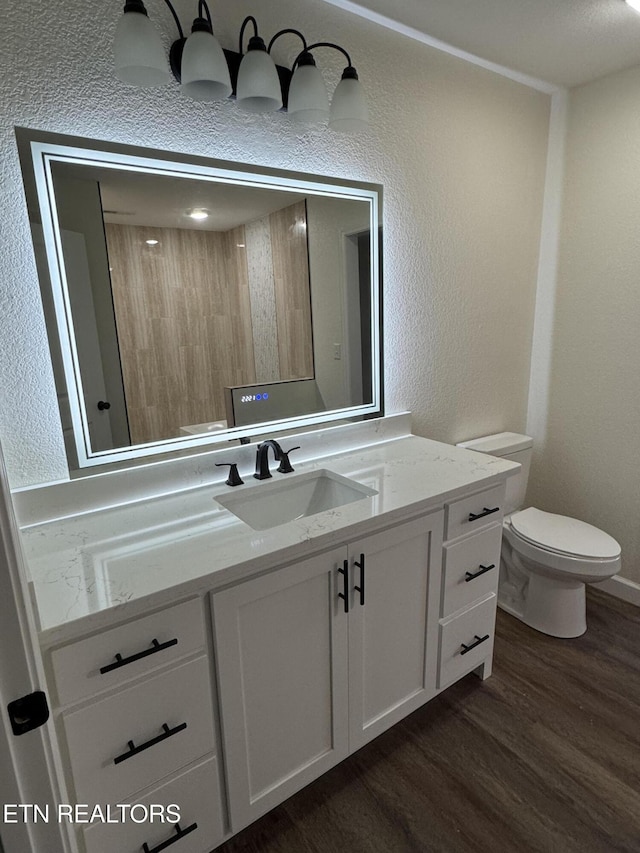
(563, 42)
(141, 198)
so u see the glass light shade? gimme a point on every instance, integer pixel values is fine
(258, 89)
(204, 73)
(349, 111)
(139, 54)
(308, 99)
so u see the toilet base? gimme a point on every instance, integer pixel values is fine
(554, 607)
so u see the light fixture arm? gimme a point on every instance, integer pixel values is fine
(202, 6)
(323, 44)
(247, 20)
(284, 32)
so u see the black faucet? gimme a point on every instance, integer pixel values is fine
(262, 458)
(281, 456)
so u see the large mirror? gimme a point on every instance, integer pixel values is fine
(192, 301)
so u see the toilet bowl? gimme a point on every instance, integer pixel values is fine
(546, 559)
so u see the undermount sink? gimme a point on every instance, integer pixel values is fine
(270, 504)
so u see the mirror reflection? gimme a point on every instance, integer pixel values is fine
(201, 305)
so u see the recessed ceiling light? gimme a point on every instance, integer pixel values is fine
(199, 214)
(151, 242)
(240, 245)
(635, 5)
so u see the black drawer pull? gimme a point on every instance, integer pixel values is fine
(180, 833)
(120, 661)
(344, 595)
(360, 588)
(468, 648)
(134, 750)
(485, 511)
(469, 576)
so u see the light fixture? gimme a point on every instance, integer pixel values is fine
(308, 99)
(349, 112)
(138, 52)
(209, 73)
(152, 242)
(205, 73)
(635, 5)
(199, 214)
(258, 88)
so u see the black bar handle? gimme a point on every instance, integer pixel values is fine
(180, 833)
(344, 595)
(470, 576)
(134, 750)
(120, 661)
(485, 511)
(360, 588)
(477, 642)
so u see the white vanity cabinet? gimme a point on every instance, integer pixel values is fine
(264, 658)
(471, 562)
(136, 713)
(317, 658)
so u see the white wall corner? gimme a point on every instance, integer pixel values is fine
(542, 342)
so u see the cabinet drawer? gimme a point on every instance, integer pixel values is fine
(471, 569)
(179, 699)
(462, 630)
(471, 514)
(196, 793)
(177, 631)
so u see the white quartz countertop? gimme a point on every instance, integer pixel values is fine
(92, 569)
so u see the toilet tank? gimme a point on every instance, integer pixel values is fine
(516, 448)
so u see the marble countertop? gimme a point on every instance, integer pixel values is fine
(84, 571)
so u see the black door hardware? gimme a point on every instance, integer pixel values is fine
(344, 595)
(180, 833)
(234, 478)
(485, 511)
(470, 576)
(134, 750)
(28, 712)
(120, 661)
(103, 405)
(360, 588)
(477, 642)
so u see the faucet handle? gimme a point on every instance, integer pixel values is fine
(285, 466)
(234, 478)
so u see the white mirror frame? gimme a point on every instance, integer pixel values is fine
(45, 153)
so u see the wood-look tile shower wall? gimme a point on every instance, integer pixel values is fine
(188, 313)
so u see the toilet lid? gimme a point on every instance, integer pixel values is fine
(567, 535)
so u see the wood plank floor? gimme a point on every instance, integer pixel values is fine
(544, 756)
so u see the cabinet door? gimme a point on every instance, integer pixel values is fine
(281, 644)
(393, 627)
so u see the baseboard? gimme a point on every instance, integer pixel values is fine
(621, 588)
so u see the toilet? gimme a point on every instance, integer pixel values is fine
(546, 559)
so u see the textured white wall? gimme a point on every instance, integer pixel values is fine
(589, 467)
(460, 152)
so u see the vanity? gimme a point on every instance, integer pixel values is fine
(208, 648)
(194, 660)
